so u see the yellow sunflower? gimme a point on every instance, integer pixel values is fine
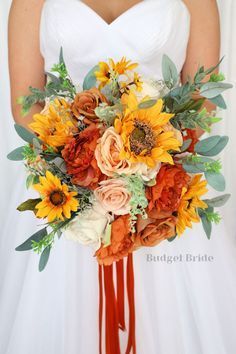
(57, 201)
(143, 135)
(111, 70)
(190, 201)
(55, 124)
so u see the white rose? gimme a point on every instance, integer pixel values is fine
(89, 227)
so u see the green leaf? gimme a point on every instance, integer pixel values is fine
(215, 180)
(106, 240)
(190, 168)
(219, 101)
(207, 225)
(27, 245)
(214, 89)
(44, 258)
(53, 78)
(90, 79)
(219, 147)
(171, 238)
(218, 201)
(213, 68)
(17, 154)
(25, 134)
(29, 204)
(207, 144)
(169, 71)
(147, 104)
(61, 57)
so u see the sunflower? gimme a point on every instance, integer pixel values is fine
(112, 70)
(55, 125)
(190, 201)
(143, 135)
(57, 201)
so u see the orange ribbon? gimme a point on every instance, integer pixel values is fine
(115, 306)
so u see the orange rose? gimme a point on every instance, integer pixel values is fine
(121, 242)
(166, 194)
(85, 103)
(80, 160)
(151, 232)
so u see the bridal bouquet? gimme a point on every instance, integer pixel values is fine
(117, 164)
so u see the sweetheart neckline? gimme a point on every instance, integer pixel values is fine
(123, 14)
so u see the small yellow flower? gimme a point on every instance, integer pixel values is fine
(54, 125)
(143, 135)
(130, 83)
(57, 201)
(107, 72)
(190, 201)
(137, 82)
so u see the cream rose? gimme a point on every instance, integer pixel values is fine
(113, 195)
(107, 155)
(153, 89)
(89, 227)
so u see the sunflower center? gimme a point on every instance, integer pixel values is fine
(141, 138)
(57, 198)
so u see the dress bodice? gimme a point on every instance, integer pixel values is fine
(143, 34)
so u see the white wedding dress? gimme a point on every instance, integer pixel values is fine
(181, 308)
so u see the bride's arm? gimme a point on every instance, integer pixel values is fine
(204, 41)
(26, 64)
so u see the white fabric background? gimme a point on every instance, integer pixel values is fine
(10, 172)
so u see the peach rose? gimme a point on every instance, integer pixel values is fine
(151, 232)
(113, 196)
(121, 242)
(85, 103)
(107, 155)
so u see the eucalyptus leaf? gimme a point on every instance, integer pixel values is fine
(219, 101)
(17, 154)
(207, 225)
(38, 236)
(53, 78)
(207, 144)
(29, 204)
(169, 71)
(218, 201)
(44, 258)
(90, 79)
(215, 180)
(147, 104)
(214, 89)
(219, 147)
(190, 168)
(24, 133)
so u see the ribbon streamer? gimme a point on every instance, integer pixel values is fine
(115, 306)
